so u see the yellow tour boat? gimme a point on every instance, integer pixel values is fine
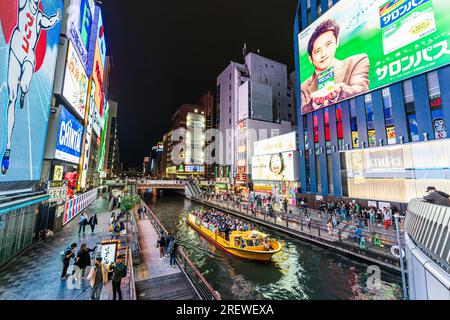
(251, 245)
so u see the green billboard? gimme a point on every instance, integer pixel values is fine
(359, 46)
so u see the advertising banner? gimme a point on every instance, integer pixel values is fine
(74, 206)
(97, 38)
(97, 77)
(275, 167)
(97, 121)
(75, 84)
(87, 140)
(79, 22)
(69, 139)
(58, 173)
(28, 54)
(359, 46)
(222, 171)
(278, 144)
(57, 190)
(101, 150)
(109, 252)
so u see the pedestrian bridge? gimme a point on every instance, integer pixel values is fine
(160, 184)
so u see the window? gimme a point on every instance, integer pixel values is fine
(389, 116)
(354, 124)
(229, 121)
(308, 170)
(371, 134)
(437, 115)
(340, 129)
(413, 129)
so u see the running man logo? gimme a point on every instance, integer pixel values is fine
(24, 25)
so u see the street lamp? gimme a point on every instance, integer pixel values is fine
(405, 294)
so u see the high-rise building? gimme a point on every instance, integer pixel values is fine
(190, 157)
(256, 91)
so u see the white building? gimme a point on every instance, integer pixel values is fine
(257, 94)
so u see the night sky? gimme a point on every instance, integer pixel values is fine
(167, 53)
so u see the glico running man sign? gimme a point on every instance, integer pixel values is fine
(29, 33)
(359, 46)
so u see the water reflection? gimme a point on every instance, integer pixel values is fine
(300, 271)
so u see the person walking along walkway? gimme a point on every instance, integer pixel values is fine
(83, 222)
(99, 277)
(93, 221)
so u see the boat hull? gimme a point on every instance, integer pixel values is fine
(225, 246)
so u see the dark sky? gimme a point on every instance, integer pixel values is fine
(167, 53)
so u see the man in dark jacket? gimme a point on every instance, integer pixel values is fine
(120, 271)
(437, 197)
(69, 253)
(93, 221)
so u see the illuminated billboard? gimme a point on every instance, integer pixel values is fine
(27, 68)
(275, 167)
(75, 84)
(359, 46)
(97, 78)
(69, 139)
(97, 38)
(78, 28)
(278, 144)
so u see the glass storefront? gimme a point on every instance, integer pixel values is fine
(16, 230)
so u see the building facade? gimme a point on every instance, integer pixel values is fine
(257, 90)
(384, 145)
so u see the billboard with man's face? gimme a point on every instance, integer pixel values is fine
(359, 46)
(29, 36)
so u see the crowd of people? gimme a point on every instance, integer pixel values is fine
(334, 212)
(99, 274)
(168, 247)
(221, 221)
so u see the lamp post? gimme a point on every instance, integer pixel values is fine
(405, 294)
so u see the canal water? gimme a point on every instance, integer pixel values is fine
(301, 271)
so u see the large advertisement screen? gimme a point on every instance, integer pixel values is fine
(29, 36)
(79, 23)
(359, 46)
(275, 167)
(70, 138)
(75, 82)
(97, 78)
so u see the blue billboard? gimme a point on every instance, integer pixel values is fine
(29, 37)
(97, 38)
(69, 139)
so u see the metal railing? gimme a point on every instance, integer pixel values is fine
(297, 223)
(201, 286)
(428, 225)
(131, 281)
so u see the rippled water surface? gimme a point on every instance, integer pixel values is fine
(300, 271)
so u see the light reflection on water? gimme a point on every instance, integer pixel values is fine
(301, 271)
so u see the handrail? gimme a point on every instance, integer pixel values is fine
(204, 290)
(428, 226)
(131, 282)
(320, 226)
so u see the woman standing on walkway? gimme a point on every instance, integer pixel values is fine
(161, 244)
(83, 260)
